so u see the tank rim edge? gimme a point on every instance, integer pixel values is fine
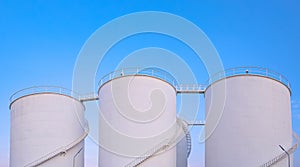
(139, 75)
(39, 93)
(256, 75)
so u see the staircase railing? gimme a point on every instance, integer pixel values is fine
(188, 137)
(164, 145)
(60, 151)
(158, 148)
(283, 155)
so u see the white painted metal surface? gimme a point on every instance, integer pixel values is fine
(138, 117)
(256, 119)
(47, 129)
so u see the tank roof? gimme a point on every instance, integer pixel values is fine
(254, 71)
(43, 89)
(148, 71)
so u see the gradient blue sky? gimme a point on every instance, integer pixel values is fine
(40, 41)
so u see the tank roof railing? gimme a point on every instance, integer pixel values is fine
(157, 73)
(197, 88)
(250, 70)
(147, 71)
(43, 89)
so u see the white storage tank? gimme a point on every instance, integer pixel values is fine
(137, 123)
(256, 119)
(47, 128)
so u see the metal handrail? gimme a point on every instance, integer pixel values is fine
(184, 125)
(196, 88)
(88, 97)
(156, 149)
(151, 71)
(43, 89)
(164, 145)
(62, 149)
(249, 70)
(283, 155)
(190, 87)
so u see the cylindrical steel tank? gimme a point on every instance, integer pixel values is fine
(137, 123)
(47, 129)
(256, 120)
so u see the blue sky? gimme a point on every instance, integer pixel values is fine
(40, 41)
